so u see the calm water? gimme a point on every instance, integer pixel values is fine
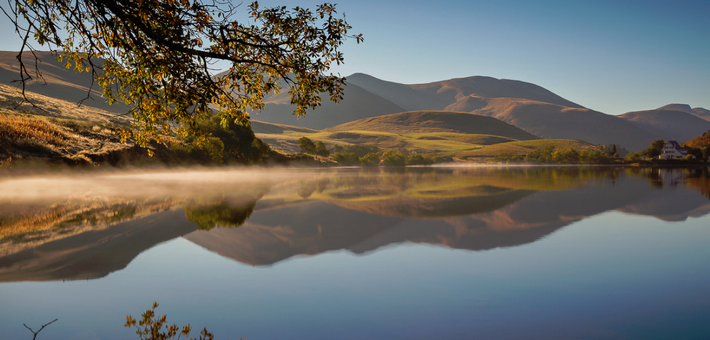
(421, 253)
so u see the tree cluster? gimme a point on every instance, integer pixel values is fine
(308, 147)
(220, 144)
(369, 155)
(550, 155)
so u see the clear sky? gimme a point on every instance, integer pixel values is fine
(611, 56)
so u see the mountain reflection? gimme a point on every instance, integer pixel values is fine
(278, 216)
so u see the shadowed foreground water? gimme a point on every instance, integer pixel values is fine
(450, 253)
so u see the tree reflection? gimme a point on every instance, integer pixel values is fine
(221, 214)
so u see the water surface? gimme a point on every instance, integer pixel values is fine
(416, 253)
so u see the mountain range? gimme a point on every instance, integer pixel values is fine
(527, 106)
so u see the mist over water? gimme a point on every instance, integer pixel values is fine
(139, 184)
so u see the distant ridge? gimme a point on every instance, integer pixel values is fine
(670, 122)
(436, 121)
(552, 121)
(698, 111)
(449, 92)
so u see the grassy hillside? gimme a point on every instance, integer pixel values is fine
(57, 81)
(56, 130)
(436, 121)
(523, 147)
(60, 132)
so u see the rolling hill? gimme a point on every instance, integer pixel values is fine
(436, 121)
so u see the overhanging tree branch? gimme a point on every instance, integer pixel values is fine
(156, 55)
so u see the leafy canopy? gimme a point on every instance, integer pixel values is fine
(158, 55)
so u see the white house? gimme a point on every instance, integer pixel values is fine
(673, 150)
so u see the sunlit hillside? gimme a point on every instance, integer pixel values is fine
(57, 130)
(436, 121)
(54, 80)
(523, 147)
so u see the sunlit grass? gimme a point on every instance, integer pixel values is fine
(523, 147)
(36, 129)
(443, 143)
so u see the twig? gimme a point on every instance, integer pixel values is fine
(37, 332)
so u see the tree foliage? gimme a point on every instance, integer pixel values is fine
(157, 55)
(150, 327)
(228, 143)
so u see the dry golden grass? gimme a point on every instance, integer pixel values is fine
(17, 128)
(54, 129)
(40, 105)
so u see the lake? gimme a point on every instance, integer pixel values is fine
(349, 253)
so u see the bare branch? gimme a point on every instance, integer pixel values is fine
(34, 337)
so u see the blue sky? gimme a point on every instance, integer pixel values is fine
(611, 56)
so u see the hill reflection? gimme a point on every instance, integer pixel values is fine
(267, 219)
